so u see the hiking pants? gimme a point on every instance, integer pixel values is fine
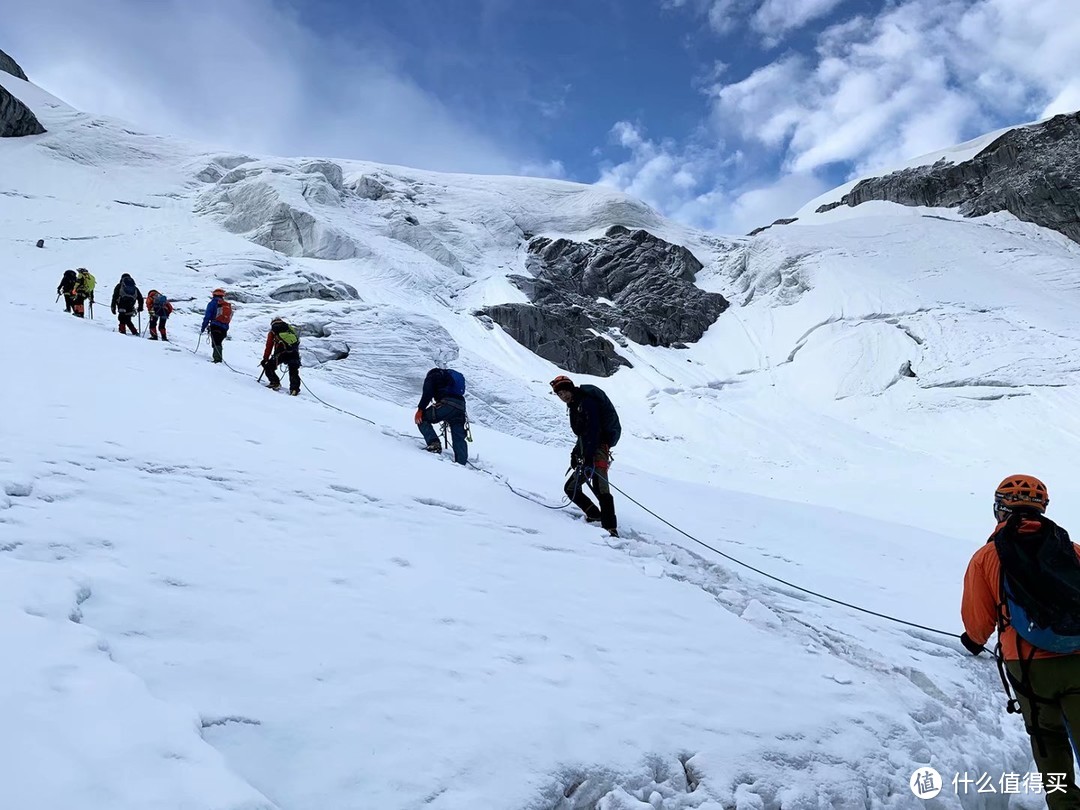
(452, 411)
(158, 322)
(69, 301)
(125, 321)
(78, 308)
(1056, 681)
(290, 359)
(599, 485)
(217, 338)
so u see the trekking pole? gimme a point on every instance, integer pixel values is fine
(57, 298)
(197, 345)
(140, 323)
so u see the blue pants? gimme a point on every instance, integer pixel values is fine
(451, 411)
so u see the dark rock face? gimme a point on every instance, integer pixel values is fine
(648, 292)
(9, 65)
(784, 221)
(16, 119)
(1031, 172)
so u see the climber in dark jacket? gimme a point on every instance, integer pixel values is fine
(66, 287)
(443, 400)
(596, 424)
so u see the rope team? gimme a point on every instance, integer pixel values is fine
(1023, 584)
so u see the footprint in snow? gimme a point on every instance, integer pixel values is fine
(451, 507)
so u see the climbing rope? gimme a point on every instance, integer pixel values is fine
(776, 578)
(519, 494)
(335, 407)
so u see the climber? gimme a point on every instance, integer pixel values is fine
(1025, 584)
(126, 300)
(159, 309)
(217, 318)
(594, 421)
(443, 400)
(66, 288)
(84, 290)
(282, 347)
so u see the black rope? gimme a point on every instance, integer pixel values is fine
(776, 578)
(334, 407)
(519, 494)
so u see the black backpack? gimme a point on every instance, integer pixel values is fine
(69, 277)
(1040, 583)
(610, 428)
(128, 292)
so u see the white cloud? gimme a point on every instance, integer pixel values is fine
(875, 92)
(774, 18)
(921, 76)
(244, 74)
(688, 183)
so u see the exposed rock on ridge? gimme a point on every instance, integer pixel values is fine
(1032, 172)
(16, 119)
(627, 282)
(9, 65)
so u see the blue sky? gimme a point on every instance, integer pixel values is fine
(724, 114)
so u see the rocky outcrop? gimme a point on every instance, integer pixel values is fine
(1032, 172)
(9, 65)
(16, 119)
(627, 283)
(321, 289)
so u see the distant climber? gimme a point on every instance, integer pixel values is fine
(84, 291)
(127, 299)
(594, 421)
(158, 308)
(282, 348)
(443, 400)
(1025, 583)
(216, 319)
(66, 288)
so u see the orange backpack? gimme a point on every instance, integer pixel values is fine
(224, 312)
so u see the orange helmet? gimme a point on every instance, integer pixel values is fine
(1021, 492)
(561, 383)
(218, 292)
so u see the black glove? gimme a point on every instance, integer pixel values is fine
(970, 645)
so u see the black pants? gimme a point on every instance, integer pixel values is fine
(69, 301)
(217, 339)
(575, 487)
(290, 359)
(126, 322)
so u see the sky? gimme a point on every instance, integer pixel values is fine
(723, 114)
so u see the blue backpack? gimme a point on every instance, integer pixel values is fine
(453, 384)
(161, 308)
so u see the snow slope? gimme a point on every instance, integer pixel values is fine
(219, 597)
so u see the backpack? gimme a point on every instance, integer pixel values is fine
(224, 313)
(88, 283)
(1040, 584)
(286, 335)
(160, 305)
(128, 291)
(453, 383)
(610, 427)
(69, 277)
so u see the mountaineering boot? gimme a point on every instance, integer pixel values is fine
(273, 386)
(164, 336)
(607, 512)
(153, 337)
(613, 532)
(434, 447)
(294, 392)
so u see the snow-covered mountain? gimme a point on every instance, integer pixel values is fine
(218, 597)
